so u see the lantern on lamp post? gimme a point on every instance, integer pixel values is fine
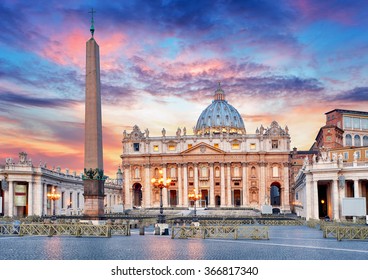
(194, 197)
(161, 183)
(53, 195)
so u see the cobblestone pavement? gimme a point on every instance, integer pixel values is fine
(285, 243)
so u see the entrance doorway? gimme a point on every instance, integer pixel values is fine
(204, 198)
(173, 198)
(217, 201)
(275, 194)
(322, 201)
(237, 198)
(137, 195)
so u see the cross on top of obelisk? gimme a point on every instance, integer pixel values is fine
(92, 29)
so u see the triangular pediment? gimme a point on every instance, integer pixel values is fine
(202, 148)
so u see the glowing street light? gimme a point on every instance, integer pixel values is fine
(53, 196)
(195, 197)
(161, 183)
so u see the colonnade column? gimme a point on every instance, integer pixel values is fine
(128, 197)
(263, 183)
(44, 198)
(147, 186)
(356, 188)
(11, 198)
(228, 185)
(185, 182)
(308, 197)
(286, 198)
(164, 190)
(335, 200)
(196, 180)
(315, 200)
(180, 187)
(222, 185)
(212, 186)
(30, 198)
(244, 183)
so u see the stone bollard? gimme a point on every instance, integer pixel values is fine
(141, 230)
(157, 230)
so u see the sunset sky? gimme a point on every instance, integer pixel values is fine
(289, 61)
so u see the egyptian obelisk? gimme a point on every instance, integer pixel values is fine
(94, 178)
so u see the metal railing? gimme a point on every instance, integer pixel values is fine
(77, 230)
(345, 232)
(220, 232)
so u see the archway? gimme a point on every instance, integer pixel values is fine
(137, 195)
(218, 200)
(275, 194)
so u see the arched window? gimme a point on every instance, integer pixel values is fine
(357, 140)
(365, 141)
(137, 173)
(348, 140)
(236, 171)
(204, 172)
(275, 171)
(190, 172)
(173, 172)
(217, 172)
(253, 172)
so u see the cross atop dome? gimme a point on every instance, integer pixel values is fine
(219, 93)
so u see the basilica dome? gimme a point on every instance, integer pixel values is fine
(219, 117)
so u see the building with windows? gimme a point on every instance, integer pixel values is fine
(220, 160)
(24, 190)
(323, 183)
(344, 128)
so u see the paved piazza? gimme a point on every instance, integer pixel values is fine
(285, 243)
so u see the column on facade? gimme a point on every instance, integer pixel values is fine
(286, 198)
(308, 195)
(222, 184)
(315, 200)
(185, 183)
(147, 187)
(263, 183)
(356, 188)
(44, 199)
(196, 180)
(212, 186)
(11, 198)
(165, 201)
(228, 185)
(335, 200)
(30, 198)
(128, 196)
(244, 184)
(180, 187)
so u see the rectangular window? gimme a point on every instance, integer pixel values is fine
(356, 123)
(155, 148)
(172, 147)
(346, 155)
(358, 154)
(347, 122)
(328, 138)
(78, 194)
(253, 146)
(70, 200)
(364, 124)
(235, 146)
(366, 154)
(136, 147)
(216, 145)
(62, 199)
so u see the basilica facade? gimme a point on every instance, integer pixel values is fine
(220, 161)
